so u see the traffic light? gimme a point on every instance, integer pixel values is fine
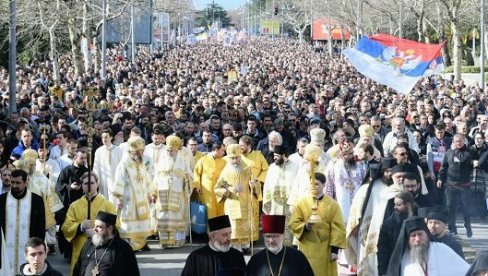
(276, 10)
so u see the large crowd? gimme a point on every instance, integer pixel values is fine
(341, 174)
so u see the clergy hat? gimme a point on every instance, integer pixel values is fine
(273, 224)
(108, 218)
(317, 136)
(403, 168)
(437, 212)
(388, 163)
(312, 153)
(366, 131)
(218, 223)
(414, 224)
(281, 149)
(173, 142)
(234, 150)
(136, 143)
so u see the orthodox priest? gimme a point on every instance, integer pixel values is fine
(240, 192)
(277, 186)
(205, 175)
(106, 253)
(218, 257)
(365, 220)
(319, 239)
(417, 253)
(173, 178)
(78, 225)
(134, 191)
(22, 216)
(277, 259)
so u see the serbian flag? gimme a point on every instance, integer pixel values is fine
(395, 62)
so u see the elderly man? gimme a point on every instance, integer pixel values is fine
(134, 191)
(267, 145)
(218, 257)
(277, 259)
(417, 253)
(240, 192)
(78, 225)
(105, 241)
(173, 179)
(398, 127)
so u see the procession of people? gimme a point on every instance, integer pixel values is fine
(337, 174)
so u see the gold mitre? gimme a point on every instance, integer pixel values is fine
(317, 136)
(21, 165)
(312, 153)
(366, 131)
(136, 143)
(30, 155)
(173, 142)
(234, 150)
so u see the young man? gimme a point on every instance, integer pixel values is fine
(35, 254)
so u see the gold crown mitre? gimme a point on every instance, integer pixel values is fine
(317, 136)
(136, 143)
(234, 150)
(30, 155)
(366, 131)
(173, 142)
(312, 153)
(21, 165)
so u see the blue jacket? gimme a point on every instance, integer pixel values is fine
(19, 149)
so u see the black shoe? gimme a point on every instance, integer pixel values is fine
(469, 233)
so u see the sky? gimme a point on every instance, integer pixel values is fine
(227, 4)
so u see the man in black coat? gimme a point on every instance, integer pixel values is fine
(217, 257)
(455, 176)
(390, 230)
(277, 259)
(106, 253)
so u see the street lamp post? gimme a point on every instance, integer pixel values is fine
(482, 45)
(12, 57)
(133, 36)
(104, 39)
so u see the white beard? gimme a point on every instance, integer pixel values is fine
(221, 247)
(97, 240)
(168, 164)
(275, 249)
(420, 254)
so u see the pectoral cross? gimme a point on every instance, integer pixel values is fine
(95, 271)
(349, 186)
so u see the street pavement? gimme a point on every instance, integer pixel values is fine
(170, 262)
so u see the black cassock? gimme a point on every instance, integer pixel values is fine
(207, 262)
(118, 260)
(294, 263)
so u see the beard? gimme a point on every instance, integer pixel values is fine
(275, 248)
(168, 164)
(221, 247)
(351, 163)
(279, 161)
(419, 254)
(97, 239)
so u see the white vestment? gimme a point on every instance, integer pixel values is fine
(302, 185)
(105, 164)
(155, 154)
(443, 261)
(362, 249)
(51, 168)
(17, 222)
(277, 187)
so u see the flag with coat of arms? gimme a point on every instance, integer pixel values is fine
(395, 62)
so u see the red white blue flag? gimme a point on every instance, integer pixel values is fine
(395, 62)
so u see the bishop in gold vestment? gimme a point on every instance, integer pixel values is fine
(240, 193)
(134, 191)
